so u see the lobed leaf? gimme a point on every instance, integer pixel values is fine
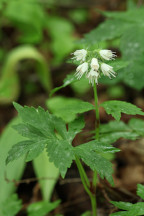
(92, 154)
(96, 162)
(114, 130)
(44, 130)
(136, 209)
(32, 149)
(61, 153)
(122, 205)
(115, 108)
(133, 209)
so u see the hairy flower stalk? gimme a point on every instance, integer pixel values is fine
(107, 54)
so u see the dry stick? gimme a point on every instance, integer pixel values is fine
(29, 180)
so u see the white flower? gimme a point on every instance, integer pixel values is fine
(80, 55)
(93, 76)
(107, 70)
(107, 54)
(94, 64)
(81, 69)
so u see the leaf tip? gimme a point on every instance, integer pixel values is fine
(17, 106)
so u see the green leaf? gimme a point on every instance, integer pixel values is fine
(114, 130)
(92, 154)
(9, 83)
(132, 46)
(79, 15)
(81, 87)
(133, 74)
(67, 81)
(61, 153)
(13, 170)
(87, 213)
(115, 108)
(133, 209)
(11, 206)
(45, 169)
(45, 131)
(140, 190)
(61, 32)
(41, 208)
(113, 28)
(25, 19)
(67, 108)
(31, 148)
(122, 205)
(131, 4)
(137, 125)
(119, 66)
(75, 127)
(135, 15)
(116, 91)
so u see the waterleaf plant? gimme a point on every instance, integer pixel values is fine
(45, 131)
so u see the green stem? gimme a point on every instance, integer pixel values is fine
(94, 181)
(79, 166)
(82, 171)
(86, 187)
(93, 203)
(96, 111)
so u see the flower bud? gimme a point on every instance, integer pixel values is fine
(81, 69)
(80, 55)
(93, 76)
(94, 64)
(107, 70)
(107, 54)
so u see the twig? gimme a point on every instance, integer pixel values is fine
(29, 180)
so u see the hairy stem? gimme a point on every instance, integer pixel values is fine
(97, 126)
(96, 111)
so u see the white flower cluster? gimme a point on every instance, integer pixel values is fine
(93, 67)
